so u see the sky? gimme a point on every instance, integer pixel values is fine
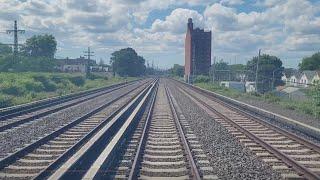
(288, 29)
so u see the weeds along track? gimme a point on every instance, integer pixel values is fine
(17, 116)
(44, 155)
(287, 153)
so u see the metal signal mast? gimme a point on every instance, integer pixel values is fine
(89, 53)
(15, 32)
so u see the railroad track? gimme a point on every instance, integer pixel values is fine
(10, 119)
(43, 156)
(14, 111)
(165, 147)
(290, 155)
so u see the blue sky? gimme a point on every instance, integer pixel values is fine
(289, 29)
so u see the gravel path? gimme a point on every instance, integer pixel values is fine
(227, 156)
(29, 132)
(304, 118)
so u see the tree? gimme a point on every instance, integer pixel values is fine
(5, 49)
(126, 62)
(268, 65)
(221, 71)
(310, 63)
(177, 70)
(41, 46)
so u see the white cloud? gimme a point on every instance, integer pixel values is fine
(280, 26)
(176, 21)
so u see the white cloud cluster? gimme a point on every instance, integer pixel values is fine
(281, 27)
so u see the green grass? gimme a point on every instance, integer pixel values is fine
(19, 88)
(306, 107)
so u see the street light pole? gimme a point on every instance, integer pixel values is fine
(273, 76)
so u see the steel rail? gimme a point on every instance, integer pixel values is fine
(302, 170)
(194, 169)
(34, 117)
(84, 156)
(18, 154)
(259, 120)
(135, 165)
(36, 105)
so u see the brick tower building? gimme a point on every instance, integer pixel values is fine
(197, 52)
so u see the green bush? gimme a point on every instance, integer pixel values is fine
(5, 101)
(13, 89)
(50, 86)
(201, 79)
(34, 86)
(271, 98)
(78, 80)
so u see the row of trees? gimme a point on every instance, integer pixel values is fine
(35, 55)
(38, 55)
(269, 72)
(311, 63)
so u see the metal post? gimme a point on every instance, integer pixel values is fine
(214, 69)
(15, 32)
(256, 81)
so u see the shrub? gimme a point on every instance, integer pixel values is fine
(201, 79)
(57, 79)
(50, 86)
(77, 80)
(5, 101)
(34, 86)
(13, 89)
(271, 98)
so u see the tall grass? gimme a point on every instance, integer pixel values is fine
(306, 107)
(18, 88)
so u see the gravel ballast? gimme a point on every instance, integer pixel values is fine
(25, 134)
(229, 159)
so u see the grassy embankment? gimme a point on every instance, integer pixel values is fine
(19, 88)
(306, 107)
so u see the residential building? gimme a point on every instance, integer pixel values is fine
(197, 52)
(295, 79)
(74, 65)
(306, 78)
(316, 78)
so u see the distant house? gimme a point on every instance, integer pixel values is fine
(316, 78)
(308, 78)
(295, 79)
(98, 68)
(292, 93)
(74, 65)
(285, 78)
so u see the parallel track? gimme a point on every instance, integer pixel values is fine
(42, 156)
(21, 117)
(290, 155)
(166, 147)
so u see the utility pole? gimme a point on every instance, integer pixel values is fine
(88, 54)
(15, 44)
(214, 69)
(256, 83)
